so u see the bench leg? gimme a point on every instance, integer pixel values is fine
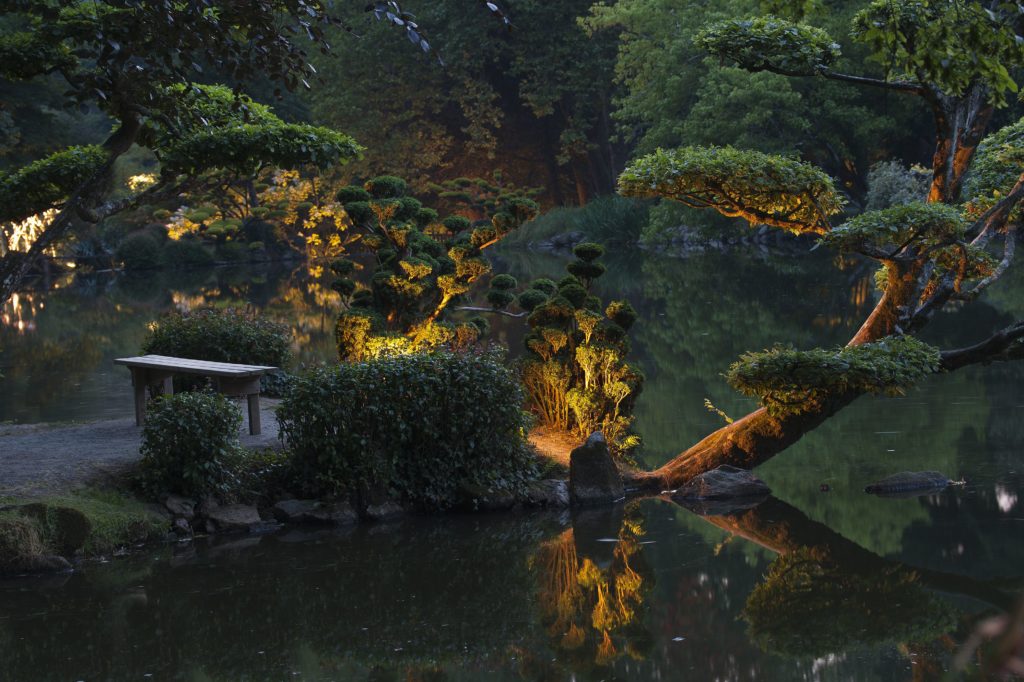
(139, 384)
(254, 413)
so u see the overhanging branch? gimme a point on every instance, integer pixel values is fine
(1002, 346)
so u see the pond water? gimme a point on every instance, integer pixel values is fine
(811, 585)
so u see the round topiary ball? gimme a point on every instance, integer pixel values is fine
(588, 251)
(504, 282)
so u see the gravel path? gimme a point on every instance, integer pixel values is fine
(46, 459)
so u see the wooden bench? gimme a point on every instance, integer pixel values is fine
(229, 379)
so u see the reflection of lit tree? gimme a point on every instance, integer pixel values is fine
(594, 614)
(811, 605)
(826, 594)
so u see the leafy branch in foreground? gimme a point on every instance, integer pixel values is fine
(789, 381)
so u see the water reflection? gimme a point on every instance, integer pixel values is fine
(57, 346)
(628, 593)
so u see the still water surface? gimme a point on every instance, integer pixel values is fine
(810, 585)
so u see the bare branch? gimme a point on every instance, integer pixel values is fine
(1001, 346)
(995, 218)
(1009, 247)
(903, 86)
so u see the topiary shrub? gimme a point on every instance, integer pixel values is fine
(139, 251)
(417, 425)
(186, 441)
(187, 253)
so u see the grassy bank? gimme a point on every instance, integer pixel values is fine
(87, 523)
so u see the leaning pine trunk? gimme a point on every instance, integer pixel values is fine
(759, 436)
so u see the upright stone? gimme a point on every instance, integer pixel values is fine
(593, 476)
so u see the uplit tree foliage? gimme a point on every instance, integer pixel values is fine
(957, 56)
(418, 266)
(576, 374)
(138, 62)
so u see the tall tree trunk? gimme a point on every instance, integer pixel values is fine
(960, 125)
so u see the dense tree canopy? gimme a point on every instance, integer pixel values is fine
(137, 62)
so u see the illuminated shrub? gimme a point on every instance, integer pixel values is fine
(418, 425)
(576, 375)
(420, 267)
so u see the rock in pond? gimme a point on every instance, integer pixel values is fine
(314, 511)
(724, 483)
(476, 497)
(909, 484)
(551, 492)
(384, 511)
(233, 517)
(180, 506)
(593, 476)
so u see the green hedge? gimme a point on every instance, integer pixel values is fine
(220, 336)
(417, 425)
(187, 442)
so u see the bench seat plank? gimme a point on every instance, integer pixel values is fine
(188, 366)
(230, 378)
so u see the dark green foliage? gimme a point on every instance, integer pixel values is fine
(233, 252)
(359, 211)
(185, 253)
(588, 251)
(139, 251)
(386, 187)
(350, 193)
(425, 216)
(220, 336)
(788, 381)
(186, 441)
(770, 43)
(573, 292)
(917, 222)
(585, 272)
(530, 299)
(244, 148)
(416, 425)
(456, 223)
(43, 184)
(544, 285)
(504, 282)
(997, 165)
(499, 298)
(953, 45)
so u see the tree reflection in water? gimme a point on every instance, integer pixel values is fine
(592, 588)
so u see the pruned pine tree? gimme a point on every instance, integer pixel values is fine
(958, 56)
